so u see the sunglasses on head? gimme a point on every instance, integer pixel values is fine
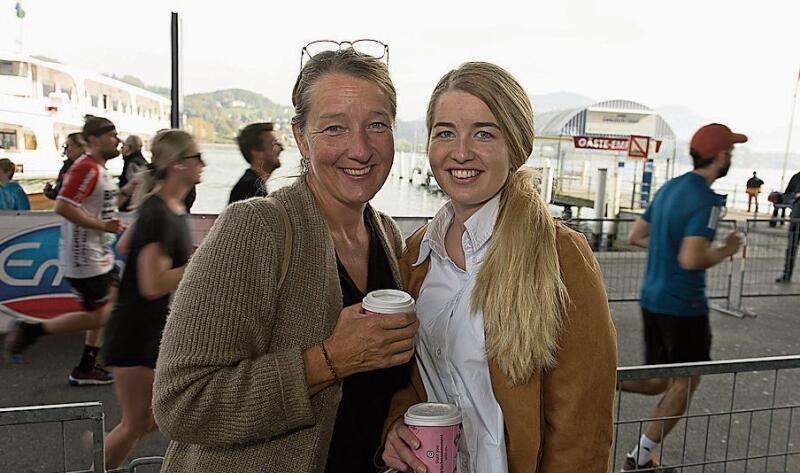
(368, 47)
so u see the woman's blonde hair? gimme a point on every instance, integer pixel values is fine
(519, 286)
(167, 147)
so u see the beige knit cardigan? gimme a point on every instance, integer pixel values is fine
(230, 389)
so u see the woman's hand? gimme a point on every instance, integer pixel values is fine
(399, 450)
(364, 342)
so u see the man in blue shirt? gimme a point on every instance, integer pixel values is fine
(677, 229)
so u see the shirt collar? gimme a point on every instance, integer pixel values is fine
(479, 228)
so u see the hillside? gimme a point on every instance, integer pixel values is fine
(227, 111)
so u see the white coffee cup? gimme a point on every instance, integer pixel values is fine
(387, 301)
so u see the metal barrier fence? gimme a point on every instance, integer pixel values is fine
(770, 245)
(623, 265)
(61, 414)
(741, 418)
(86, 412)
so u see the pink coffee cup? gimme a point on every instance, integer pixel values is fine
(437, 426)
(387, 301)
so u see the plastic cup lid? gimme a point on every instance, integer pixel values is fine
(388, 301)
(433, 414)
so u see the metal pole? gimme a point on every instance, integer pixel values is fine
(175, 93)
(560, 167)
(600, 206)
(674, 151)
(789, 134)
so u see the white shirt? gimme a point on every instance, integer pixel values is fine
(451, 348)
(86, 252)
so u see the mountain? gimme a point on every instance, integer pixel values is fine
(218, 115)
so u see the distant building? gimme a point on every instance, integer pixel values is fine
(576, 142)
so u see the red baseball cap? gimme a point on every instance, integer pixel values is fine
(709, 140)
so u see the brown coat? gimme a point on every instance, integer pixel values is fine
(560, 421)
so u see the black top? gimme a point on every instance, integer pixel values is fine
(59, 180)
(365, 396)
(133, 331)
(754, 182)
(249, 185)
(132, 164)
(188, 202)
(789, 196)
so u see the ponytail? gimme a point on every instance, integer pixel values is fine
(148, 181)
(519, 286)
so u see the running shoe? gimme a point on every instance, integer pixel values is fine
(91, 377)
(651, 466)
(17, 339)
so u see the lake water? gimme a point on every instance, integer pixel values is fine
(224, 166)
(399, 198)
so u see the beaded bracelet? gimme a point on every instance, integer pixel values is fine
(330, 364)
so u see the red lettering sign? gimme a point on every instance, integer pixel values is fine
(600, 143)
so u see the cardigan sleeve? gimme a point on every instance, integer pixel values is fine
(214, 383)
(578, 393)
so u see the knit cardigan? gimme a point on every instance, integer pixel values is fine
(230, 389)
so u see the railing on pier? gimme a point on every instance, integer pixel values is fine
(742, 416)
(623, 265)
(765, 258)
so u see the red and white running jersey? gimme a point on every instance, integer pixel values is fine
(86, 252)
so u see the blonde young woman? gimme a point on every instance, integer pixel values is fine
(514, 321)
(158, 246)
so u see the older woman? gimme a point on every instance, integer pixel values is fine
(514, 323)
(255, 358)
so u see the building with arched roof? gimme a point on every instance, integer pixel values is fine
(584, 139)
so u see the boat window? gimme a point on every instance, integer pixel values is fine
(48, 88)
(8, 140)
(13, 68)
(30, 141)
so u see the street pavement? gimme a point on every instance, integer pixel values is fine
(41, 378)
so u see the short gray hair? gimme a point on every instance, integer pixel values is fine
(134, 143)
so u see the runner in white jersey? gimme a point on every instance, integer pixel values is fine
(86, 252)
(87, 202)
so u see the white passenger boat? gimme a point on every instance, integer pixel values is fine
(41, 102)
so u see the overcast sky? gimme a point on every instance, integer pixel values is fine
(730, 61)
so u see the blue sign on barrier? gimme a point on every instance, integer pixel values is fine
(32, 284)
